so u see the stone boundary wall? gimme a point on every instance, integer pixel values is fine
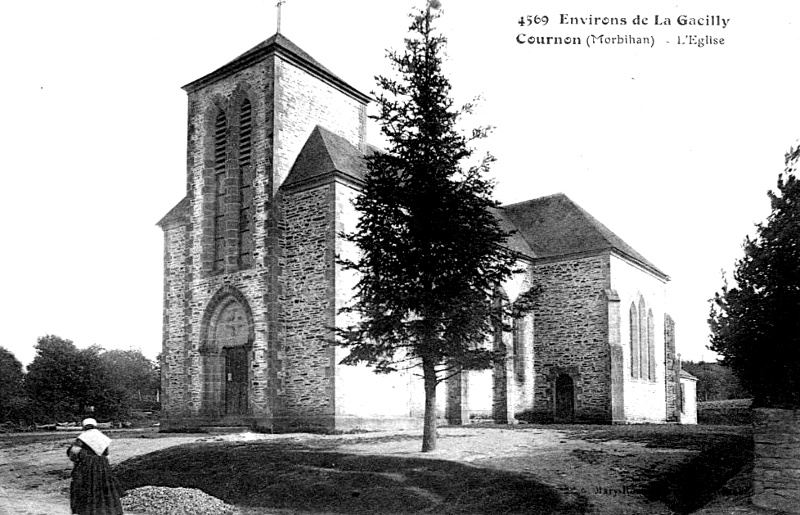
(776, 475)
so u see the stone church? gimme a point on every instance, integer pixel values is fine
(252, 290)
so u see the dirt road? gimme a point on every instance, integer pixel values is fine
(610, 474)
(35, 477)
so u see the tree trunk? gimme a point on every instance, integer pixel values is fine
(429, 427)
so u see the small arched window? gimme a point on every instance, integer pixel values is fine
(634, 322)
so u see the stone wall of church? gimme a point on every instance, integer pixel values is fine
(173, 371)
(290, 279)
(305, 291)
(307, 307)
(256, 84)
(672, 379)
(202, 398)
(199, 403)
(571, 336)
(304, 101)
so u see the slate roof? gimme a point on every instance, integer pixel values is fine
(555, 226)
(547, 227)
(687, 375)
(514, 242)
(179, 213)
(324, 154)
(279, 40)
(277, 44)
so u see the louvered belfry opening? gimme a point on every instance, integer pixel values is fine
(245, 184)
(245, 133)
(220, 133)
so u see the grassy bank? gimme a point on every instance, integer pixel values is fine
(294, 477)
(676, 468)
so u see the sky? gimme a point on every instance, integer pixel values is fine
(672, 146)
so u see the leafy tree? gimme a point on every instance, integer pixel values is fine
(67, 383)
(430, 252)
(133, 378)
(716, 382)
(755, 323)
(11, 391)
(50, 382)
(64, 381)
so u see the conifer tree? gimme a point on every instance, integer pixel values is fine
(431, 254)
(755, 323)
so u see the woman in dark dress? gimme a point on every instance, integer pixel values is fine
(94, 489)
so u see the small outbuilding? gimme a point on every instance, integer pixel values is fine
(688, 398)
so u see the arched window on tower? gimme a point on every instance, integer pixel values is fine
(651, 346)
(643, 361)
(245, 184)
(634, 319)
(220, 155)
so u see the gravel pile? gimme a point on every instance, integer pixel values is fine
(159, 500)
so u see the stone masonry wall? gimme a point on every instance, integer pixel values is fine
(672, 373)
(200, 283)
(776, 475)
(307, 304)
(303, 291)
(570, 336)
(174, 338)
(287, 103)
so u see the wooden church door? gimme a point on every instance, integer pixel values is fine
(235, 381)
(565, 399)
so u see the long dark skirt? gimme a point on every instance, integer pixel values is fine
(94, 489)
